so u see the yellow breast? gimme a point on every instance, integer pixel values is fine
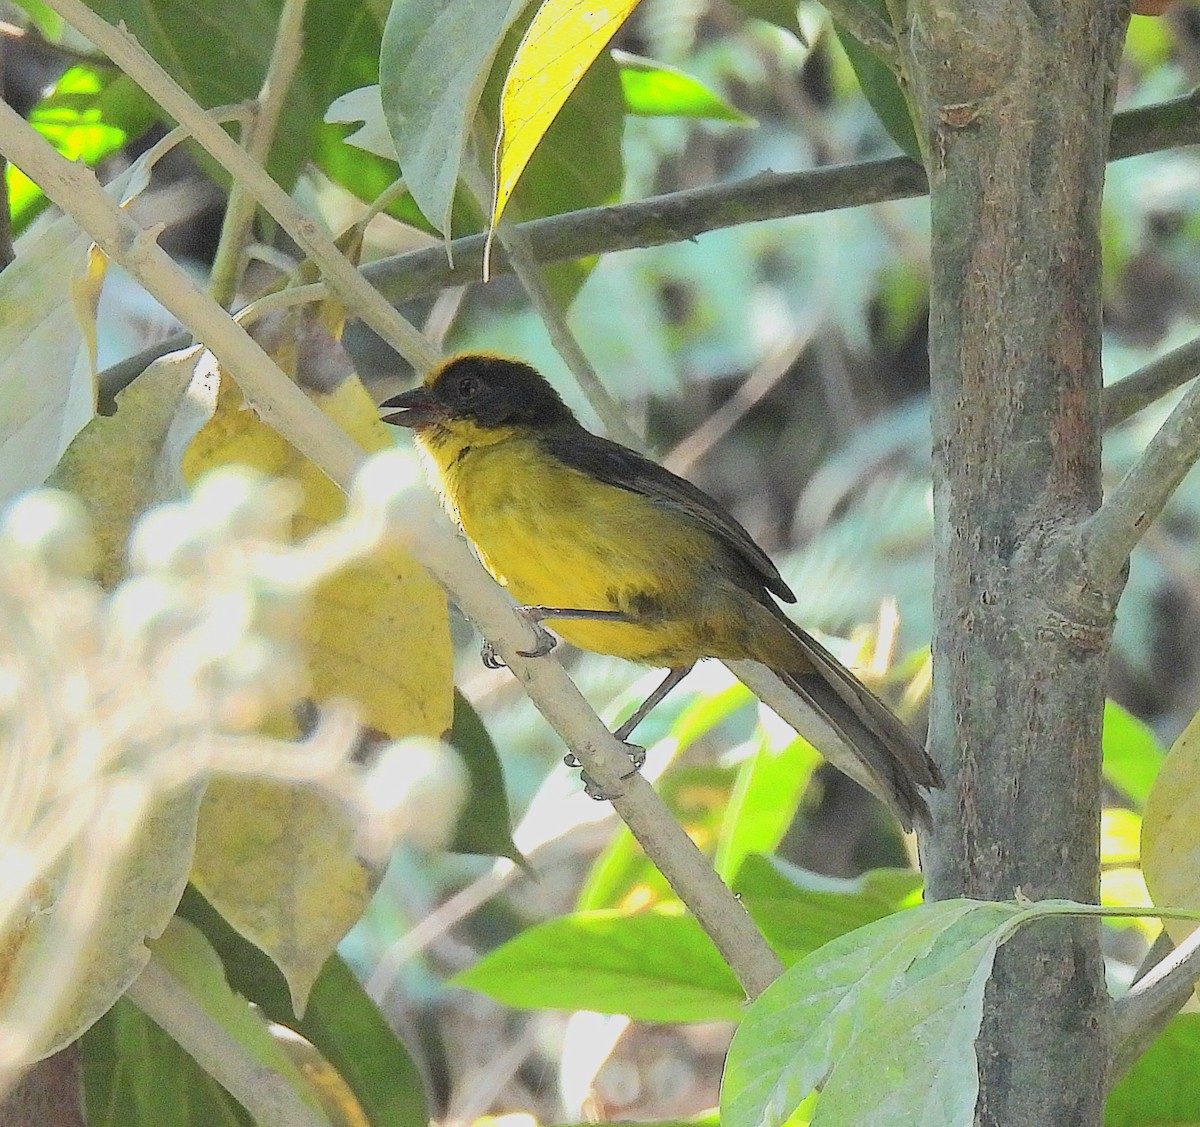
(556, 537)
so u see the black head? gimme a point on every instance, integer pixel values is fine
(491, 391)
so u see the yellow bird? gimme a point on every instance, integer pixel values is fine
(626, 558)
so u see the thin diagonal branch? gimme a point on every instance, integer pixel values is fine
(1151, 1002)
(1113, 531)
(1128, 396)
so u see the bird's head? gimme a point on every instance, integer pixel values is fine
(488, 391)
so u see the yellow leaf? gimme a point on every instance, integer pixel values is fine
(277, 861)
(121, 464)
(1171, 831)
(561, 43)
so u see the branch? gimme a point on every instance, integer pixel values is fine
(680, 216)
(1126, 397)
(263, 1092)
(1144, 1011)
(339, 274)
(432, 543)
(1111, 533)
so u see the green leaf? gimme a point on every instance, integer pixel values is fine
(91, 113)
(880, 87)
(1132, 753)
(1163, 1086)
(485, 825)
(434, 61)
(769, 786)
(654, 966)
(655, 89)
(828, 1007)
(219, 52)
(799, 911)
(340, 1020)
(125, 1059)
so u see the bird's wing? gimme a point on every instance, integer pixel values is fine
(619, 466)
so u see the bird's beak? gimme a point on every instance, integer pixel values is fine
(416, 409)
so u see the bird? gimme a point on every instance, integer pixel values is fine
(626, 558)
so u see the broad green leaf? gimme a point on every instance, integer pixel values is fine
(190, 959)
(654, 89)
(1171, 828)
(1163, 1086)
(125, 1058)
(1132, 753)
(435, 58)
(799, 911)
(881, 88)
(916, 1062)
(559, 46)
(769, 786)
(340, 1020)
(341, 42)
(654, 966)
(797, 1031)
(485, 825)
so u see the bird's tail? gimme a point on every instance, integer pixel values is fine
(886, 748)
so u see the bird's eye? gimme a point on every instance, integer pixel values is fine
(468, 387)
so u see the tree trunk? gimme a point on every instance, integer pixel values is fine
(1015, 98)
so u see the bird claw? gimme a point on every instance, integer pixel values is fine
(487, 653)
(637, 757)
(545, 641)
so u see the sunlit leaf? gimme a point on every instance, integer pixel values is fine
(1170, 830)
(654, 89)
(653, 966)
(559, 46)
(900, 998)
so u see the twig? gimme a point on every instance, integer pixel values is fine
(1142, 1013)
(1111, 533)
(264, 1093)
(258, 139)
(339, 274)
(431, 542)
(1128, 396)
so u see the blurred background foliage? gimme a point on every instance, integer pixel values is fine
(779, 365)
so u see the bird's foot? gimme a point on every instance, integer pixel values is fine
(637, 757)
(489, 657)
(544, 640)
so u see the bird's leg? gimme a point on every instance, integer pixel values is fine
(637, 755)
(673, 677)
(545, 640)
